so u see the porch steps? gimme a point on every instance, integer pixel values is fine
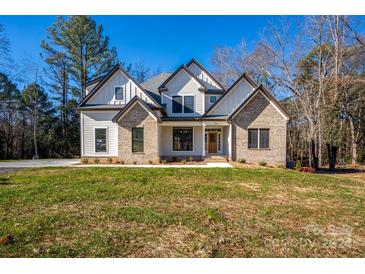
(216, 159)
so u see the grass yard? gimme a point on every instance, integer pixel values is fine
(111, 212)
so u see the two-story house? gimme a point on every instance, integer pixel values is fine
(178, 115)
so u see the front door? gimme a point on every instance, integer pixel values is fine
(212, 148)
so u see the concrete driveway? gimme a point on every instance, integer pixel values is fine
(38, 163)
(9, 166)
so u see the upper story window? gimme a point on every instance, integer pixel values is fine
(177, 104)
(188, 104)
(212, 99)
(100, 140)
(119, 93)
(258, 138)
(183, 104)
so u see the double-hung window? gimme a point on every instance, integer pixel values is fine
(258, 138)
(100, 140)
(119, 93)
(137, 139)
(183, 104)
(182, 139)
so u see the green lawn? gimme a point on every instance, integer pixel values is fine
(111, 212)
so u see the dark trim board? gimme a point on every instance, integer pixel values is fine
(243, 76)
(134, 100)
(162, 87)
(193, 60)
(107, 77)
(253, 93)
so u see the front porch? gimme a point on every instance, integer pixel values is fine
(202, 140)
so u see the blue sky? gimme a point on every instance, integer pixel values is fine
(159, 41)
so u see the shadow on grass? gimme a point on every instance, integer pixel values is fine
(340, 171)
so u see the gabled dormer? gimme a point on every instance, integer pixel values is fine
(182, 94)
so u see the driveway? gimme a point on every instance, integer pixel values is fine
(37, 163)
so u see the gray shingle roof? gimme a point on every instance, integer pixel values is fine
(152, 84)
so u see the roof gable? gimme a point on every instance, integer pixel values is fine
(180, 69)
(243, 77)
(129, 106)
(267, 95)
(194, 63)
(111, 73)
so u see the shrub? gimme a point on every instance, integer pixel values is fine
(96, 161)
(84, 161)
(183, 161)
(109, 160)
(262, 163)
(307, 169)
(134, 162)
(122, 162)
(150, 162)
(115, 161)
(191, 159)
(298, 164)
(164, 162)
(174, 158)
(242, 160)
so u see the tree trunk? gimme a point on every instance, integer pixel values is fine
(353, 143)
(332, 156)
(314, 162)
(35, 135)
(23, 138)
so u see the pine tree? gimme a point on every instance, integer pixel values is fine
(84, 46)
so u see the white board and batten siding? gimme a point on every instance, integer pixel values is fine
(97, 119)
(90, 87)
(207, 100)
(103, 119)
(183, 84)
(233, 98)
(105, 95)
(202, 75)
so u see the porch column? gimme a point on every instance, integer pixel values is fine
(230, 142)
(203, 139)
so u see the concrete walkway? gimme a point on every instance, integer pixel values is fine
(203, 165)
(16, 164)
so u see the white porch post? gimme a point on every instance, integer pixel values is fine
(230, 142)
(203, 139)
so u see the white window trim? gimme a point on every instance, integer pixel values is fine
(211, 96)
(115, 99)
(107, 141)
(219, 136)
(183, 104)
(172, 139)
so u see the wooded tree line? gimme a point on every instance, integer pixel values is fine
(317, 67)
(40, 118)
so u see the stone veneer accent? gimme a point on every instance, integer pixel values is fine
(259, 113)
(137, 116)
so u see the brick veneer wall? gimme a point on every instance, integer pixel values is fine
(138, 117)
(259, 113)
